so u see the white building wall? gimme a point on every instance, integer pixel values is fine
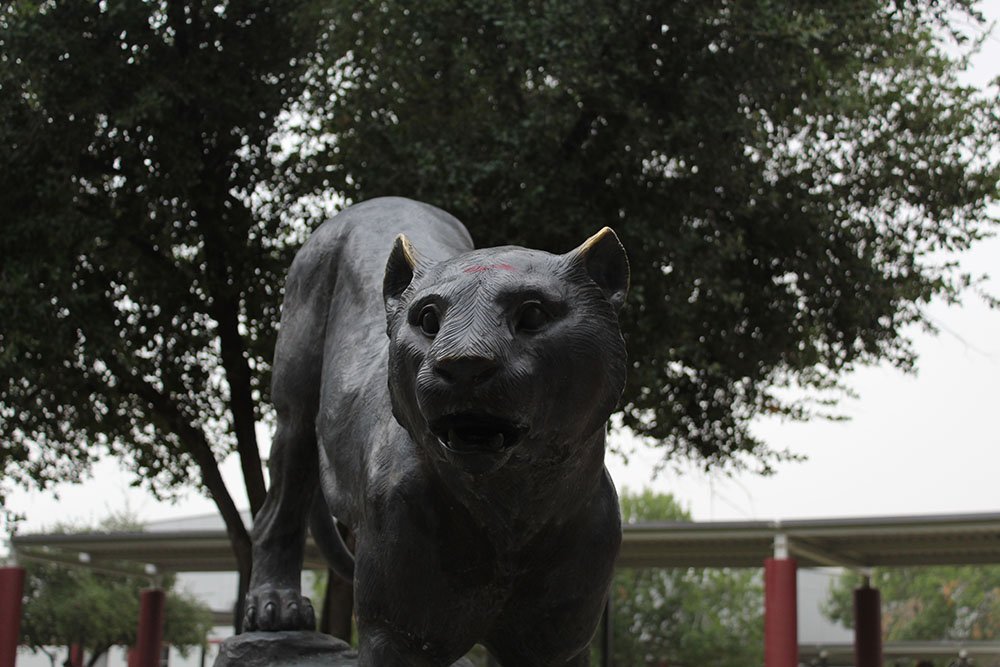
(814, 627)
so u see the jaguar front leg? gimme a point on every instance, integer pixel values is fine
(275, 601)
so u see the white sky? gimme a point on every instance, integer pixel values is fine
(915, 444)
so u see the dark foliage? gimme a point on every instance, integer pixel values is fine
(782, 175)
(141, 258)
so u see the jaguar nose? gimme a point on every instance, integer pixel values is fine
(469, 370)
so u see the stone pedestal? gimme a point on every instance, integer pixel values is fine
(289, 649)
(285, 649)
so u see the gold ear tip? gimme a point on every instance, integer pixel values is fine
(409, 252)
(598, 237)
(607, 231)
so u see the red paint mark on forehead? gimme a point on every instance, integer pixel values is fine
(489, 267)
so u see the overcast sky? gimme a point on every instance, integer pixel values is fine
(915, 444)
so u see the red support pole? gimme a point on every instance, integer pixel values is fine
(76, 655)
(149, 642)
(781, 632)
(867, 627)
(11, 595)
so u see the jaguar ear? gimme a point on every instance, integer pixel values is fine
(399, 272)
(607, 264)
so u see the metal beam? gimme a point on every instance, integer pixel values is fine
(824, 556)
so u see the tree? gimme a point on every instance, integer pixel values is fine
(693, 616)
(66, 606)
(927, 603)
(789, 180)
(144, 240)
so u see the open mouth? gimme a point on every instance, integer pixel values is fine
(476, 433)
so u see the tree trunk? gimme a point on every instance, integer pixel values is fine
(241, 404)
(236, 530)
(96, 655)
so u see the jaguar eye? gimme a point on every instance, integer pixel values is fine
(429, 321)
(532, 317)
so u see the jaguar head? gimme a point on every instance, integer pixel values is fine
(506, 356)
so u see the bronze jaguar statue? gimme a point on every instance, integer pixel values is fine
(465, 451)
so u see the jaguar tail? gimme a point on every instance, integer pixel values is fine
(329, 540)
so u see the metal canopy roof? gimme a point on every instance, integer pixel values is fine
(842, 655)
(131, 553)
(964, 539)
(851, 542)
